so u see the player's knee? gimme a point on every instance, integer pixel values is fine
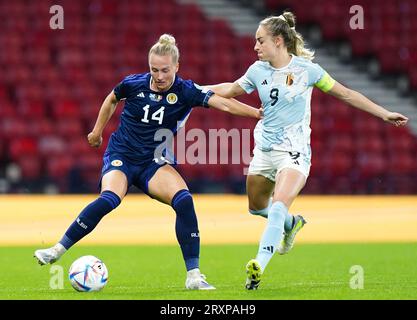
(182, 199)
(112, 198)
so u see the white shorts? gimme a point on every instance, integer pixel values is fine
(269, 163)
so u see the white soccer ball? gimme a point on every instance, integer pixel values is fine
(88, 273)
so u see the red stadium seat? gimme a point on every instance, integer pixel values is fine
(372, 143)
(90, 165)
(31, 110)
(52, 145)
(7, 110)
(66, 109)
(401, 143)
(46, 75)
(78, 145)
(22, 147)
(31, 167)
(13, 127)
(41, 127)
(71, 57)
(371, 164)
(57, 92)
(359, 40)
(30, 92)
(340, 142)
(367, 125)
(388, 59)
(90, 108)
(58, 167)
(314, 186)
(39, 57)
(403, 163)
(68, 128)
(337, 164)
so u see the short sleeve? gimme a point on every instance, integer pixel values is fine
(320, 78)
(196, 95)
(121, 91)
(247, 82)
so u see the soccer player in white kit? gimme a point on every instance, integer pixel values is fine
(285, 77)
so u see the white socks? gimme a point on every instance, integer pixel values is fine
(264, 213)
(273, 233)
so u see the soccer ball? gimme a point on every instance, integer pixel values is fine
(88, 273)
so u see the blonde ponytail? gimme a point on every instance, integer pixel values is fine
(299, 48)
(284, 25)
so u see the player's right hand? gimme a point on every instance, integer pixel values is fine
(94, 139)
(261, 113)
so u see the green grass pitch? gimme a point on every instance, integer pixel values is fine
(309, 271)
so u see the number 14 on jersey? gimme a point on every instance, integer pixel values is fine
(158, 115)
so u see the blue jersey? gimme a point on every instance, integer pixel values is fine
(147, 111)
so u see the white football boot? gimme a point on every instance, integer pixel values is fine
(197, 281)
(50, 255)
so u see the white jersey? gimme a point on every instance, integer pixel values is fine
(286, 95)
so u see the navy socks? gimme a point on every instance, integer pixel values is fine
(186, 228)
(89, 218)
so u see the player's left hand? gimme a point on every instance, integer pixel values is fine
(397, 119)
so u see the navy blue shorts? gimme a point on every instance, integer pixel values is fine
(137, 175)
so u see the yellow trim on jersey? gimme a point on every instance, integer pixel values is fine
(326, 83)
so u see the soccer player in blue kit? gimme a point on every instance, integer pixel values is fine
(155, 100)
(284, 77)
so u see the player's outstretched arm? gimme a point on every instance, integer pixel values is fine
(361, 102)
(106, 111)
(226, 89)
(234, 107)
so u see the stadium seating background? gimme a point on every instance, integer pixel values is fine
(53, 83)
(388, 34)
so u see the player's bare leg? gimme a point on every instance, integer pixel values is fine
(290, 183)
(259, 191)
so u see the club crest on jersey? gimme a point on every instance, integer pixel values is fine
(155, 97)
(290, 79)
(172, 98)
(117, 163)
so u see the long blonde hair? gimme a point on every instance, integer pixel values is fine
(166, 45)
(284, 25)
